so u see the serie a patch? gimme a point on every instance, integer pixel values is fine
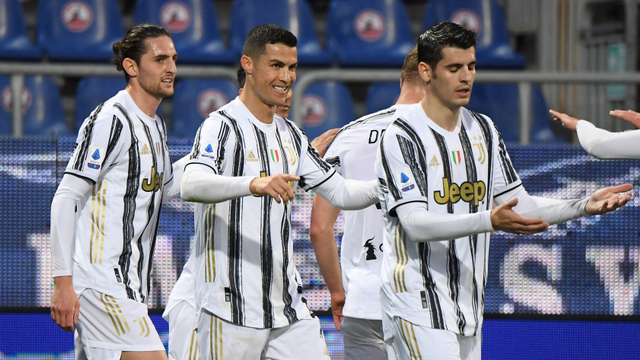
(406, 183)
(208, 152)
(96, 157)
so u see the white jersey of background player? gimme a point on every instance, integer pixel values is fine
(440, 168)
(602, 143)
(248, 289)
(119, 174)
(353, 154)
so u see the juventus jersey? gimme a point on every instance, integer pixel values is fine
(353, 154)
(124, 153)
(439, 284)
(244, 247)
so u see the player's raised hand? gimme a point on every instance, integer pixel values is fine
(627, 115)
(276, 186)
(504, 218)
(567, 121)
(322, 142)
(608, 199)
(65, 306)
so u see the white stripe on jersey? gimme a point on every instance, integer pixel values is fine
(353, 154)
(439, 284)
(244, 246)
(124, 152)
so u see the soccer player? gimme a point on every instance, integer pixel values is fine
(602, 143)
(104, 215)
(441, 167)
(353, 154)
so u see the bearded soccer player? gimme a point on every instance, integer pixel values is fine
(104, 215)
(353, 154)
(441, 168)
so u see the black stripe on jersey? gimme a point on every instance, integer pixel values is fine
(391, 184)
(408, 151)
(446, 163)
(295, 137)
(223, 137)
(196, 144)
(367, 118)
(333, 161)
(129, 200)
(235, 229)
(114, 137)
(266, 248)
(437, 319)
(420, 169)
(508, 171)
(86, 142)
(488, 139)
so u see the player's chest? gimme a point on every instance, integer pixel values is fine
(147, 155)
(271, 153)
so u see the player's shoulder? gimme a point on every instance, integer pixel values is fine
(472, 116)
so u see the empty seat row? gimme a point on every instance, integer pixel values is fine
(359, 32)
(325, 105)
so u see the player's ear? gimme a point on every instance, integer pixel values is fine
(130, 66)
(425, 72)
(247, 64)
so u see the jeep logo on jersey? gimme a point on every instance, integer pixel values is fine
(7, 99)
(369, 25)
(175, 16)
(314, 110)
(210, 100)
(467, 191)
(155, 183)
(467, 19)
(77, 16)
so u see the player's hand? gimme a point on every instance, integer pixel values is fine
(322, 142)
(608, 199)
(504, 218)
(276, 186)
(337, 303)
(567, 121)
(628, 115)
(65, 306)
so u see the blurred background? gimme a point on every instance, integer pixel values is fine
(577, 284)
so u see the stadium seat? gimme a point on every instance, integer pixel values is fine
(193, 26)
(493, 49)
(79, 30)
(41, 106)
(195, 99)
(92, 91)
(14, 42)
(382, 95)
(501, 103)
(369, 32)
(326, 105)
(294, 15)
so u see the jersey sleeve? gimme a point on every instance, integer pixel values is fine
(505, 177)
(209, 144)
(313, 171)
(336, 152)
(401, 169)
(100, 140)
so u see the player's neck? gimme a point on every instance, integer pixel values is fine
(444, 116)
(148, 104)
(410, 94)
(263, 112)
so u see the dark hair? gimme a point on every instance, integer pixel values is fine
(410, 73)
(133, 44)
(441, 35)
(261, 35)
(242, 76)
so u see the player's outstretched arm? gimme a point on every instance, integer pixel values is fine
(567, 121)
(172, 189)
(504, 218)
(277, 186)
(608, 199)
(322, 142)
(627, 115)
(323, 218)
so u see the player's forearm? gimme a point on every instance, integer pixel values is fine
(201, 184)
(422, 225)
(348, 194)
(553, 211)
(173, 189)
(607, 145)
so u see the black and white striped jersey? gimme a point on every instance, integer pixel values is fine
(124, 153)
(439, 284)
(244, 247)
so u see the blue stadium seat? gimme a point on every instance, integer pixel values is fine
(369, 32)
(92, 91)
(195, 99)
(294, 15)
(79, 30)
(501, 103)
(193, 26)
(493, 49)
(41, 106)
(382, 95)
(14, 42)
(326, 105)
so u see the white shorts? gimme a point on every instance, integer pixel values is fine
(409, 341)
(219, 339)
(183, 338)
(108, 326)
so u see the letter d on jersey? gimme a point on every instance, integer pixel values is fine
(468, 192)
